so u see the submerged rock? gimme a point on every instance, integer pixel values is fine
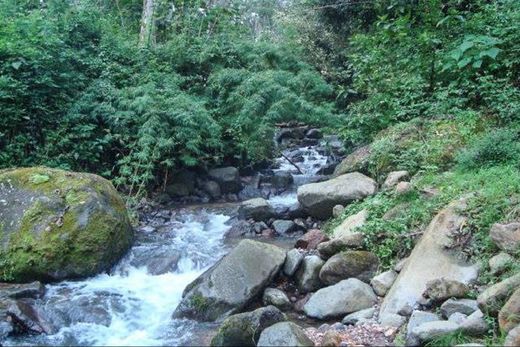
(231, 284)
(59, 225)
(284, 334)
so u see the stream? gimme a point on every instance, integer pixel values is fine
(133, 304)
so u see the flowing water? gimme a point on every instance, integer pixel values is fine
(133, 304)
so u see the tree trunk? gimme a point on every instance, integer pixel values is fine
(146, 36)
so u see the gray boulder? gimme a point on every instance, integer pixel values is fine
(353, 241)
(353, 318)
(212, 188)
(500, 262)
(348, 226)
(492, 298)
(292, 261)
(416, 319)
(284, 227)
(358, 264)
(442, 289)
(513, 338)
(232, 283)
(319, 198)
(465, 306)
(394, 178)
(284, 334)
(382, 282)
(355, 161)
(432, 330)
(258, 209)
(228, 178)
(457, 317)
(506, 236)
(344, 297)
(308, 275)
(282, 179)
(276, 297)
(475, 324)
(393, 320)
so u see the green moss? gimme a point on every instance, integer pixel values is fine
(199, 303)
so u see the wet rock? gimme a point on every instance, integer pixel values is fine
(513, 337)
(465, 306)
(83, 212)
(212, 188)
(383, 282)
(392, 320)
(283, 227)
(506, 236)
(314, 134)
(500, 262)
(159, 264)
(492, 298)
(475, 324)
(347, 227)
(432, 330)
(355, 161)
(337, 210)
(430, 260)
(276, 297)
(307, 276)
(228, 179)
(509, 315)
(394, 178)
(258, 227)
(353, 318)
(284, 334)
(358, 264)
(231, 284)
(352, 241)
(296, 133)
(441, 289)
(28, 318)
(33, 290)
(238, 229)
(5, 329)
(416, 319)
(331, 338)
(311, 239)
(319, 198)
(244, 329)
(347, 296)
(258, 209)
(282, 180)
(292, 261)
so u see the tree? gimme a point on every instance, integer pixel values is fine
(147, 34)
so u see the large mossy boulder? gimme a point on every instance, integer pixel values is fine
(57, 225)
(232, 283)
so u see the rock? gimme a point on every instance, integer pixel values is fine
(311, 239)
(392, 320)
(416, 319)
(382, 282)
(276, 297)
(282, 180)
(331, 338)
(283, 227)
(431, 260)
(284, 334)
(258, 209)
(513, 337)
(228, 179)
(244, 329)
(33, 290)
(403, 187)
(337, 210)
(355, 161)
(358, 264)
(457, 317)
(432, 330)
(475, 324)
(329, 248)
(319, 198)
(353, 318)
(394, 178)
(400, 264)
(338, 326)
(292, 262)
(500, 262)
(212, 188)
(492, 298)
(465, 306)
(238, 229)
(441, 289)
(314, 134)
(183, 184)
(159, 264)
(347, 296)
(509, 315)
(308, 275)
(232, 283)
(5, 329)
(347, 227)
(60, 225)
(28, 318)
(506, 236)
(296, 133)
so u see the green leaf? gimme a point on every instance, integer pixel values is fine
(492, 52)
(477, 63)
(16, 65)
(464, 62)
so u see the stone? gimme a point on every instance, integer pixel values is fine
(292, 261)
(392, 320)
(353, 318)
(282, 180)
(60, 225)
(383, 282)
(506, 236)
(347, 296)
(283, 227)
(258, 209)
(416, 319)
(308, 275)
(284, 334)
(475, 324)
(400, 264)
(430, 260)
(276, 297)
(500, 262)
(238, 229)
(32, 290)
(228, 179)
(331, 338)
(513, 337)
(183, 184)
(491, 299)
(465, 306)
(314, 134)
(358, 264)
(296, 133)
(337, 210)
(432, 330)
(457, 317)
(212, 188)
(394, 178)
(319, 198)
(347, 227)
(244, 329)
(353, 241)
(355, 161)
(441, 289)
(509, 314)
(403, 187)
(311, 239)
(232, 283)
(29, 318)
